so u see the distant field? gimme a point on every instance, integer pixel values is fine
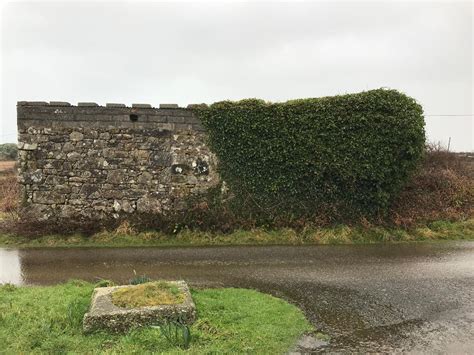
(7, 165)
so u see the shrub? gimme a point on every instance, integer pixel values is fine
(8, 151)
(350, 153)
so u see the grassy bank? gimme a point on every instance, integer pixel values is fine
(342, 234)
(49, 320)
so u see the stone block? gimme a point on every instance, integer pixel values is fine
(145, 178)
(114, 105)
(90, 117)
(192, 119)
(198, 127)
(74, 156)
(27, 146)
(67, 211)
(32, 103)
(182, 127)
(68, 147)
(39, 212)
(156, 118)
(141, 106)
(124, 206)
(149, 205)
(176, 119)
(160, 158)
(59, 103)
(141, 154)
(76, 136)
(180, 169)
(165, 106)
(31, 177)
(105, 315)
(49, 197)
(116, 177)
(88, 189)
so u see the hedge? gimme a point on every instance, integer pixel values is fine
(354, 152)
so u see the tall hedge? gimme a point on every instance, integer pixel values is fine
(353, 151)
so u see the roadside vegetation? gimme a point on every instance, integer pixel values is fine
(339, 234)
(436, 204)
(229, 321)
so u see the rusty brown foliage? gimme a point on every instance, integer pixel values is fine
(442, 189)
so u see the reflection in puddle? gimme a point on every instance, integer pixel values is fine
(10, 267)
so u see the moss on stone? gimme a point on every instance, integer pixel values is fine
(147, 295)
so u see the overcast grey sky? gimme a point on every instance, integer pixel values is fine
(152, 52)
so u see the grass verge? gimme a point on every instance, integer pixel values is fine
(49, 320)
(342, 234)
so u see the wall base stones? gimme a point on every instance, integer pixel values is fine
(101, 162)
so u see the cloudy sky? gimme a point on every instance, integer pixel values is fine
(155, 52)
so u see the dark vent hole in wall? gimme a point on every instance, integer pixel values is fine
(133, 118)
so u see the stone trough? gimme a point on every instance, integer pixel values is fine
(105, 315)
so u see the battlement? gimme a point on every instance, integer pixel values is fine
(169, 116)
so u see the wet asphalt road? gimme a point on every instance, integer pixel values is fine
(379, 298)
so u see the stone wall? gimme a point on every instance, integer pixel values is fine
(101, 161)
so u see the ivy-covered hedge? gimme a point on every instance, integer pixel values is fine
(352, 152)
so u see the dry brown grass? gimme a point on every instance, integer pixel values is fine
(6, 166)
(9, 190)
(9, 195)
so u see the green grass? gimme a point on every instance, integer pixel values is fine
(341, 234)
(49, 320)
